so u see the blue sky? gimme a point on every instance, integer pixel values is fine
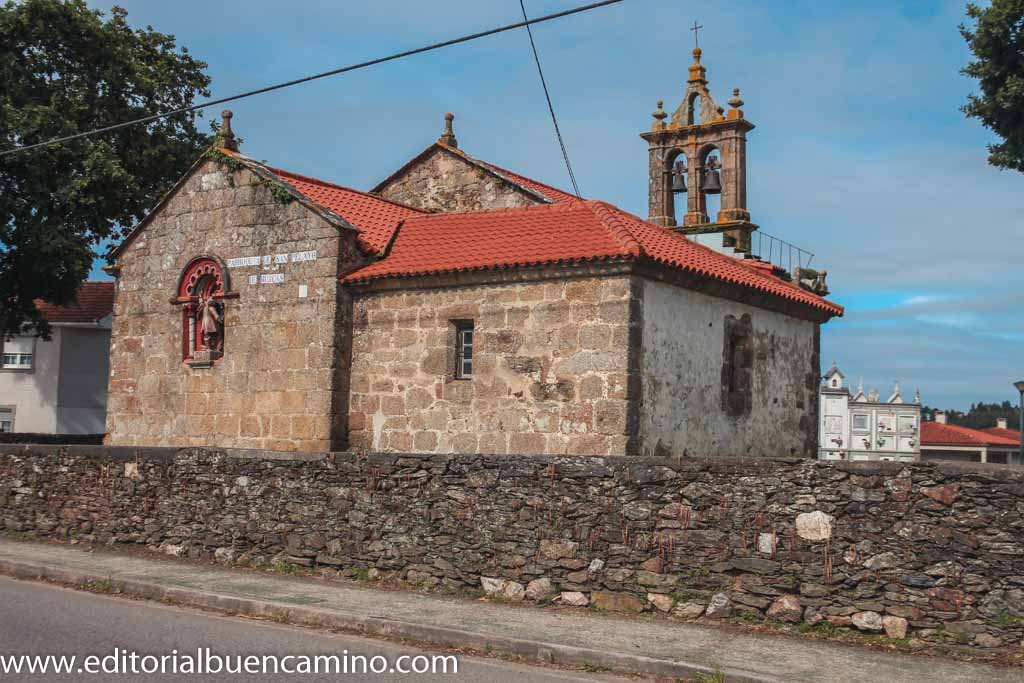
(860, 154)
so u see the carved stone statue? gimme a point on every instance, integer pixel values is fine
(208, 319)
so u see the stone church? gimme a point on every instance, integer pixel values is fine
(459, 307)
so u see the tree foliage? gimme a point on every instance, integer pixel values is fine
(997, 41)
(980, 416)
(67, 69)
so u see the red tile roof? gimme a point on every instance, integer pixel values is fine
(374, 216)
(95, 302)
(1012, 434)
(576, 231)
(935, 434)
(552, 193)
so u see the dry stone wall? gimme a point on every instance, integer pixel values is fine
(935, 551)
(551, 369)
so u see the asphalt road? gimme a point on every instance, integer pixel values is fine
(39, 619)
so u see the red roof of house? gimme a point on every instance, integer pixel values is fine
(576, 231)
(936, 434)
(375, 216)
(567, 231)
(1012, 434)
(95, 302)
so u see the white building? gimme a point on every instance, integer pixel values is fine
(863, 427)
(59, 386)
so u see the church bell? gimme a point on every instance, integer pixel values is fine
(712, 178)
(679, 177)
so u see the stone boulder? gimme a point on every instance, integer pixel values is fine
(557, 549)
(719, 607)
(867, 621)
(616, 602)
(786, 608)
(514, 591)
(538, 589)
(987, 640)
(882, 561)
(813, 616)
(944, 494)
(895, 627)
(814, 526)
(661, 602)
(689, 610)
(491, 586)
(574, 598)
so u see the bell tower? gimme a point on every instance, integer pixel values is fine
(701, 150)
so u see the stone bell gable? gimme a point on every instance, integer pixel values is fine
(266, 260)
(701, 150)
(444, 178)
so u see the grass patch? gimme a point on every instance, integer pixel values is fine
(288, 568)
(749, 617)
(715, 676)
(1007, 620)
(822, 628)
(689, 596)
(107, 586)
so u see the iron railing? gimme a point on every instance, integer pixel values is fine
(779, 252)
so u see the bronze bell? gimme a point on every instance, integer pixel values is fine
(679, 177)
(712, 179)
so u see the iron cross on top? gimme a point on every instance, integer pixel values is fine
(696, 27)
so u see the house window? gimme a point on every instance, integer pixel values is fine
(463, 349)
(738, 366)
(860, 422)
(6, 420)
(19, 353)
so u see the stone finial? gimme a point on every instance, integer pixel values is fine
(917, 396)
(735, 102)
(448, 137)
(227, 136)
(659, 116)
(698, 74)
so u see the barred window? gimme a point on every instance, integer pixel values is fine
(463, 349)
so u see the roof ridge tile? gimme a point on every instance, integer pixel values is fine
(616, 228)
(327, 183)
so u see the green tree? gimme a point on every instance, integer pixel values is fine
(997, 41)
(66, 69)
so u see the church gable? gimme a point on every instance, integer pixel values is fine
(443, 178)
(226, 314)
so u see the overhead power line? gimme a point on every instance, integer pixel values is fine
(551, 108)
(325, 74)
